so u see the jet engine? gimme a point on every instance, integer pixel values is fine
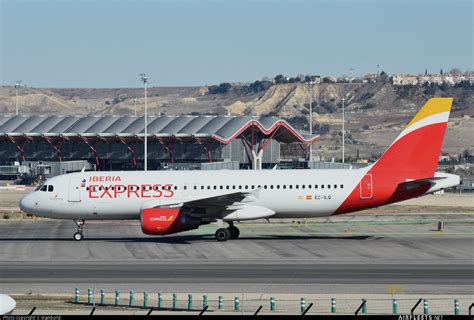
(161, 221)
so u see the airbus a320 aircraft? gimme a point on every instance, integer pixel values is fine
(168, 202)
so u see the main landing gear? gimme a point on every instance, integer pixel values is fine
(78, 235)
(224, 234)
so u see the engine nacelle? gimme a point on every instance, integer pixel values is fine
(161, 221)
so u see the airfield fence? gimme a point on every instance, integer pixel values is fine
(268, 304)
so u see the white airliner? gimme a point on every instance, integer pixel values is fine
(173, 201)
(7, 305)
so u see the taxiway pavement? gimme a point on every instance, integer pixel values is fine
(364, 256)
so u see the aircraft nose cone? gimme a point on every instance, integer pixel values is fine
(27, 204)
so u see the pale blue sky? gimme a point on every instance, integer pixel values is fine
(107, 43)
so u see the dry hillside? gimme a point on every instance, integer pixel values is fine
(375, 113)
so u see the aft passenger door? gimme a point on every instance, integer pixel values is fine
(74, 194)
(366, 187)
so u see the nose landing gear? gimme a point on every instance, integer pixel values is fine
(78, 235)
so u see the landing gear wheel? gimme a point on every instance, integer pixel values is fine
(234, 232)
(78, 236)
(79, 224)
(222, 234)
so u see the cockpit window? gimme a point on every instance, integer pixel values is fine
(44, 187)
(50, 188)
(38, 187)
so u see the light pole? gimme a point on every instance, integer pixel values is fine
(310, 84)
(17, 86)
(135, 100)
(343, 129)
(144, 78)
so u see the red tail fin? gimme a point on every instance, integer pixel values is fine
(416, 151)
(412, 156)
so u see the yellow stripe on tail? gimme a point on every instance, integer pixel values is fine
(432, 107)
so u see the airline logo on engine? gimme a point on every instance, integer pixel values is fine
(162, 218)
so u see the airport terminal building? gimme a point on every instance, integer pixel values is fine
(174, 142)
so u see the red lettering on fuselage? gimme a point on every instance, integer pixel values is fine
(156, 189)
(145, 188)
(106, 192)
(145, 191)
(92, 190)
(168, 190)
(105, 178)
(133, 188)
(119, 189)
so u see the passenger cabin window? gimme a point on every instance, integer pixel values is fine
(50, 188)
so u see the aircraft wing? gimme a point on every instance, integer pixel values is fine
(211, 207)
(219, 201)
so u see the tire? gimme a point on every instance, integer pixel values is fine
(222, 234)
(78, 236)
(234, 232)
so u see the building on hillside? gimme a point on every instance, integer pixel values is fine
(404, 79)
(317, 79)
(370, 78)
(426, 78)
